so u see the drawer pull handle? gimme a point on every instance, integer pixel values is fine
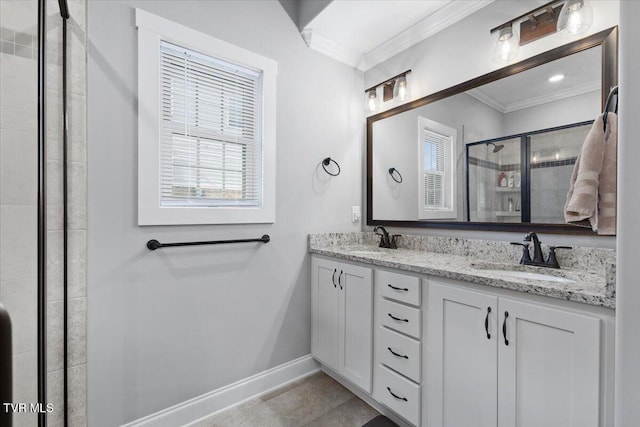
(333, 277)
(340, 280)
(486, 323)
(504, 328)
(396, 396)
(397, 318)
(396, 288)
(397, 354)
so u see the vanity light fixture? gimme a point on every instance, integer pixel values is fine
(573, 17)
(372, 100)
(400, 91)
(506, 46)
(394, 88)
(556, 78)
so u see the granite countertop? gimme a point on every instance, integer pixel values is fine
(582, 285)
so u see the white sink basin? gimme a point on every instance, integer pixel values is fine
(530, 275)
(522, 272)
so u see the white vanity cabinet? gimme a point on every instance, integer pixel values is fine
(497, 361)
(437, 352)
(342, 319)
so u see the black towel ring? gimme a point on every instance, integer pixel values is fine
(607, 106)
(393, 172)
(326, 163)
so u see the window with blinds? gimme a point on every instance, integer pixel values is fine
(435, 147)
(437, 170)
(210, 131)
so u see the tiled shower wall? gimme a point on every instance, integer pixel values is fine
(77, 218)
(18, 168)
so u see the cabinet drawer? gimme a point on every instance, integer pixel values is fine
(399, 353)
(399, 287)
(398, 394)
(400, 318)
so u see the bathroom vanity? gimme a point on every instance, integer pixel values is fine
(451, 332)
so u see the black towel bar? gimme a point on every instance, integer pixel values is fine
(154, 244)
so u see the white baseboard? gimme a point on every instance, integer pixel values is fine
(230, 395)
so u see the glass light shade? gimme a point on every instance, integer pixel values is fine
(372, 101)
(506, 46)
(401, 90)
(575, 17)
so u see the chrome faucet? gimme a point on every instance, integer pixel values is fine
(386, 241)
(538, 258)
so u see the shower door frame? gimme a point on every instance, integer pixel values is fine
(42, 209)
(525, 166)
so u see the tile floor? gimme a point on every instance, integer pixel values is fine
(315, 401)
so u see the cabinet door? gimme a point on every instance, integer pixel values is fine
(550, 370)
(461, 358)
(356, 325)
(325, 305)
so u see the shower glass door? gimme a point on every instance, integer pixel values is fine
(495, 181)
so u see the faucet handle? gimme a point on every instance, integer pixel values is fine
(393, 241)
(526, 256)
(552, 261)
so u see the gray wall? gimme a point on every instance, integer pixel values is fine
(396, 145)
(580, 108)
(627, 313)
(170, 325)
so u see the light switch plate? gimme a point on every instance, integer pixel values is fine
(355, 214)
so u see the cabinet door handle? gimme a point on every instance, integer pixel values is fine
(396, 396)
(486, 323)
(397, 354)
(397, 289)
(397, 318)
(504, 328)
(340, 279)
(333, 277)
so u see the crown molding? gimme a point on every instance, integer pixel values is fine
(437, 21)
(555, 96)
(483, 97)
(425, 28)
(330, 48)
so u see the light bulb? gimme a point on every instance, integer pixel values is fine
(506, 46)
(400, 89)
(575, 17)
(372, 101)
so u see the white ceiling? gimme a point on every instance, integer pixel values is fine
(532, 87)
(364, 33)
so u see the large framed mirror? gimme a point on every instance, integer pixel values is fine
(495, 152)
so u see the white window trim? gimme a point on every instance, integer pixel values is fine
(450, 170)
(151, 30)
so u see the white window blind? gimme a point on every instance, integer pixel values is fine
(211, 121)
(435, 148)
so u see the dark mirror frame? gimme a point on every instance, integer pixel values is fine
(608, 39)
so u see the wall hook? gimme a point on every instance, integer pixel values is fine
(395, 175)
(326, 163)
